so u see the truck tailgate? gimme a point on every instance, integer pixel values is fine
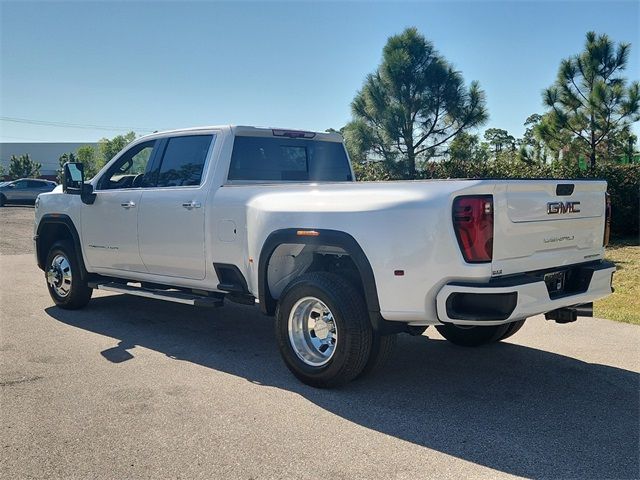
(542, 224)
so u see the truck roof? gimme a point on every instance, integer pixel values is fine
(252, 131)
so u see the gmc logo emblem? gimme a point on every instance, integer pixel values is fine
(554, 208)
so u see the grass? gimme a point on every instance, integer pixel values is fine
(624, 304)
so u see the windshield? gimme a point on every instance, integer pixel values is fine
(288, 159)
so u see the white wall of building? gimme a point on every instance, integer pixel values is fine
(42, 152)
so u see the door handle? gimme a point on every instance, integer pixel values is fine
(128, 205)
(191, 205)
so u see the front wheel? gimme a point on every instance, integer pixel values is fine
(323, 330)
(64, 277)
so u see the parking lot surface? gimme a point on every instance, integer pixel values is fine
(137, 388)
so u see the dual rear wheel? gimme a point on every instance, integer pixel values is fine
(325, 336)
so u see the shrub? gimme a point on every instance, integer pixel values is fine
(624, 188)
(22, 166)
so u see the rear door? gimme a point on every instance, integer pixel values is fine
(547, 223)
(172, 215)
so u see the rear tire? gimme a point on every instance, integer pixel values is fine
(382, 348)
(513, 328)
(323, 330)
(3, 200)
(472, 336)
(64, 277)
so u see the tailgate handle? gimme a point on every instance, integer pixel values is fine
(564, 189)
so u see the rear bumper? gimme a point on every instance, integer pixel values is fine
(504, 300)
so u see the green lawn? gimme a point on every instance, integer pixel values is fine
(624, 304)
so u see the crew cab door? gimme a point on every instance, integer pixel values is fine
(171, 218)
(110, 224)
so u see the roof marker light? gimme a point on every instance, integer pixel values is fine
(292, 133)
(307, 233)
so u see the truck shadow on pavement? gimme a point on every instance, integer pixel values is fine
(512, 408)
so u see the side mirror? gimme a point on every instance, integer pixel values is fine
(73, 182)
(73, 178)
(11, 185)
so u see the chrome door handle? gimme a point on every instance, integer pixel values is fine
(128, 205)
(192, 204)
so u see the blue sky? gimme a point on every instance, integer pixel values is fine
(177, 64)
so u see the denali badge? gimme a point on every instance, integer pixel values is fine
(554, 208)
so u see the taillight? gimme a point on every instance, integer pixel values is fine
(473, 223)
(607, 219)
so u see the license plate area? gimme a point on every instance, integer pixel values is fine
(556, 282)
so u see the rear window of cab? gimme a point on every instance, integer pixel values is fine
(288, 159)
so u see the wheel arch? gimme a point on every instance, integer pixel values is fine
(328, 238)
(53, 227)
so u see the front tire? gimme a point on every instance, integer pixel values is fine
(323, 330)
(64, 277)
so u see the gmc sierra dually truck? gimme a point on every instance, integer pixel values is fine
(275, 217)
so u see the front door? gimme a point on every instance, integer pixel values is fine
(110, 224)
(171, 218)
(110, 230)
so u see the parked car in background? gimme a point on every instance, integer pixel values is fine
(24, 190)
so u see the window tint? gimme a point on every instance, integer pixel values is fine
(183, 161)
(269, 159)
(129, 170)
(21, 184)
(35, 184)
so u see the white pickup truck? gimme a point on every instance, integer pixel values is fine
(275, 217)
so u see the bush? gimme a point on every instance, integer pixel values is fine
(623, 181)
(624, 188)
(22, 166)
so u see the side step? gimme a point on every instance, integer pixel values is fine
(167, 295)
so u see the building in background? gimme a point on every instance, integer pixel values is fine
(44, 153)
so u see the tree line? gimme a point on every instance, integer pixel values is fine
(416, 108)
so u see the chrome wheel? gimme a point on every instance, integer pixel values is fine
(312, 331)
(59, 275)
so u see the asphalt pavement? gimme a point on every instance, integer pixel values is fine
(138, 388)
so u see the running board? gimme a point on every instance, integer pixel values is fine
(167, 295)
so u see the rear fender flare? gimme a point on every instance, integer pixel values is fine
(333, 238)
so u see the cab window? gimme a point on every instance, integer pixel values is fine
(130, 169)
(183, 161)
(267, 159)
